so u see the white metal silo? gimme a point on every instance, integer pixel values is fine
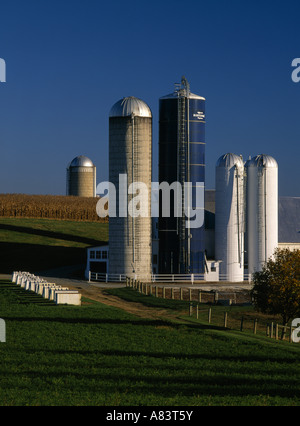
(130, 155)
(229, 217)
(262, 210)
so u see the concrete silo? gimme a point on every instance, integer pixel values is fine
(81, 177)
(182, 159)
(262, 210)
(229, 217)
(130, 161)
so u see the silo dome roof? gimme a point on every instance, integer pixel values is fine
(262, 160)
(81, 161)
(127, 106)
(230, 160)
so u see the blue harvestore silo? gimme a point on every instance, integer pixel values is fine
(182, 159)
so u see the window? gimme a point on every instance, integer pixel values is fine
(104, 255)
(98, 254)
(92, 254)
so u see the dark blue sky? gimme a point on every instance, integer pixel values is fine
(69, 61)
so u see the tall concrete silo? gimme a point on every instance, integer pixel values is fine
(229, 217)
(130, 155)
(262, 210)
(81, 177)
(182, 159)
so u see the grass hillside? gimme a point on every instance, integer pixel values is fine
(37, 245)
(99, 355)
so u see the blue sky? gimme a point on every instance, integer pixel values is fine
(69, 61)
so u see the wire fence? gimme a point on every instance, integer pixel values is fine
(190, 294)
(215, 313)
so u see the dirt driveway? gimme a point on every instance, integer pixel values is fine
(142, 311)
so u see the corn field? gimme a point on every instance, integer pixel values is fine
(49, 206)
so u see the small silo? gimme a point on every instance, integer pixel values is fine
(262, 210)
(182, 159)
(130, 159)
(229, 217)
(81, 177)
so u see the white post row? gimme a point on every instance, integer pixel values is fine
(51, 291)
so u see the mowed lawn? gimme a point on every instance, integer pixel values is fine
(99, 355)
(37, 245)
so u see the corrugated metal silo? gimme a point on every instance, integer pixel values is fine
(81, 177)
(181, 159)
(262, 210)
(229, 217)
(130, 154)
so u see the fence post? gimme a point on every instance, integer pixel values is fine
(190, 295)
(172, 293)
(191, 309)
(199, 296)
(106, 278)
(276, 331)
(216, 298)
(197, 311)
(272, 330)
(89, 276)
(209, 315)
(156, 291)
(242, 323)
(164, 292)
(225, 319)
(255, 326)
(181, 293)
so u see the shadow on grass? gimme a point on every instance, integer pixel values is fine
(51, 234)
(20, 296)
(35, 257)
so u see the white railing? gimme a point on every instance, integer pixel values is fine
(158, 278)
(177, 277)
(237, 278)
(95, 276)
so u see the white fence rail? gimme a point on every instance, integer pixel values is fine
(155, 278)
(95, 276)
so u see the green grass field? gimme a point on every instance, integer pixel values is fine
(37, 245)
(98, 355)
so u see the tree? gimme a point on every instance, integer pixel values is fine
(276, 289)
